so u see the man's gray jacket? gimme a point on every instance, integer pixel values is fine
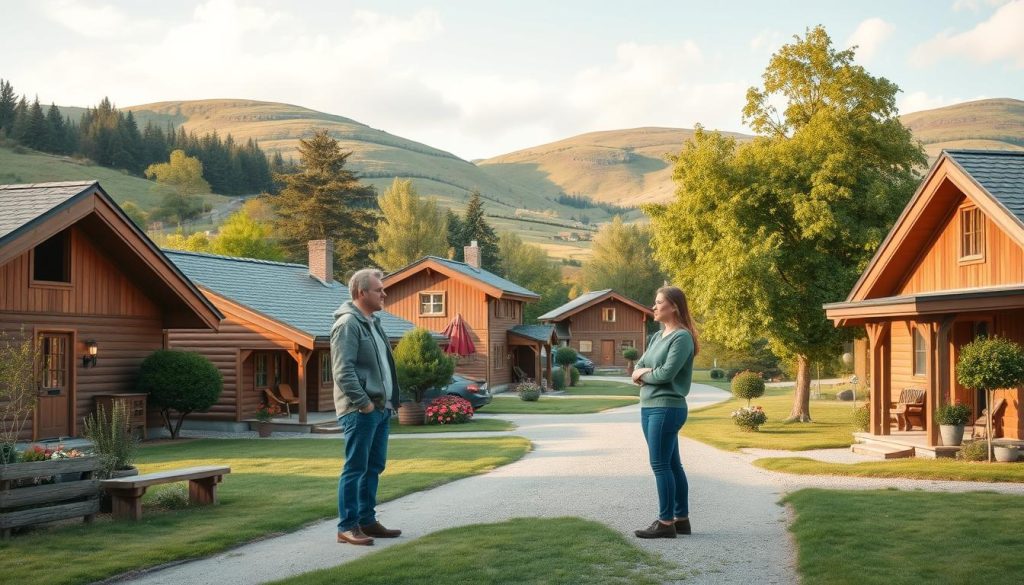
(356, 365)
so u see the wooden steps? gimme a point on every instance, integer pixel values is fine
(882, 451)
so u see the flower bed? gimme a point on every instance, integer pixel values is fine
(449, 410)
(749, 418)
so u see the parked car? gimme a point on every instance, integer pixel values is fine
(584, 365)
(475, 391)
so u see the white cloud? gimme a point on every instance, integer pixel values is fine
(869, 37)
(998, 38)
(975, 5)
(920, 100)
(90, 19)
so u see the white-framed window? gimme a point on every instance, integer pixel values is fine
(586, 346)
(608, 314)
(325, 369)
(972, 234)
(920, 353)
(432, 304)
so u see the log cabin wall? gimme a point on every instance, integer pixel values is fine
(100, 303)
(461, 296)
(504, 314)
(589, 325)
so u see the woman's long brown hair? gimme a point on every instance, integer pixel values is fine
(678, 299)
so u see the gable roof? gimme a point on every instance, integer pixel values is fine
(588, 300)
(491, 283)
(994, 180)
(32, 213)
(282, 292)
(542, 333)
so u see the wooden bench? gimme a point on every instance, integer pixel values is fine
(126, 492)
(909, 409)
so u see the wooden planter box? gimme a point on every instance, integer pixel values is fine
(22, 503)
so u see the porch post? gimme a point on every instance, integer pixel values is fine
(931, 383)
(878, 338)
(943, 368)
(301, 357)
(551, 382)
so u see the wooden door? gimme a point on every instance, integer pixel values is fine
(54, 403)
(607, 352)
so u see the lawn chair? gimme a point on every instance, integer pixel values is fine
(980, 430)
(274, 399)
(288, 396)
(519, 374)
(909, 409)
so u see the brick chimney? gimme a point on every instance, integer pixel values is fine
(472, 254)
(321, 260)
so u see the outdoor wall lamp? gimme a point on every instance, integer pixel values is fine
(91, 349)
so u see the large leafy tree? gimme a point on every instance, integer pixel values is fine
(185, 174)
(623, 260)
(760, 235)
(324, 200)
(529, 266)
(412, 227)
(245, 236)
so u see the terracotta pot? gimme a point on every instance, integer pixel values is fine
(264, 429)
(411, 413)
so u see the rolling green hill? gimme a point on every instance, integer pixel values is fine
(984, 124)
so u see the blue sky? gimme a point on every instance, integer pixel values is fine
(485, 78)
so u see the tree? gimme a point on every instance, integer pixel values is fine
(196, 242)
(185, 174)
(421, 365)
(990, 364)
(135, 213)
(412, 227)
(475, 227)
(179, 381)
(8, 106)
(760, 235)
(326, 201)
(565, 357)
(530, 266)
(623, 260)
(454, 234)
(244, 236)
(18, 358)
(56, 131)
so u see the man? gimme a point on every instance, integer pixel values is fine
(365, 397)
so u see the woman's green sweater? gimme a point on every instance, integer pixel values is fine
(671, 358)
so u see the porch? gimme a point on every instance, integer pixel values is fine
(900, 444)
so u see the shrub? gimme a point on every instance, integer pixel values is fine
(731, 373)
(717, 373)
(449, 410)
(748, 385)
(861, 418)
(421, 364)
(749, 418)
(953, 414)
(557, 379)
(528, 391)
(631, 354)
(565, 357)
(973, 451)
(574, 376)
(845, 395)
(18, 357)
(171, 497)
(182, 381)
(111, 438)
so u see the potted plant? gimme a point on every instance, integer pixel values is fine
(1006, 453)
(264, 415)
(749, 418)
(989, 364)
(631, 354)
(951, 419)
(421, 365)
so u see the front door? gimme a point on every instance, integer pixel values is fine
(607, 352)
(54, 405)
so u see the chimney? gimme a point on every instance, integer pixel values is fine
(321, 260)
(472, 254)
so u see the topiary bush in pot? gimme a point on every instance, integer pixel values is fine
(990, 364)
(747, 385)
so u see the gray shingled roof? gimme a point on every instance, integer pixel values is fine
(20, 205)
(481, 275)
(573, 304)
(281, 291)
(1000, 172)
(536, 332)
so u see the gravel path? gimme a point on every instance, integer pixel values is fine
(593, 466)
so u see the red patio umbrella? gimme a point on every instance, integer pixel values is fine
(460, 341)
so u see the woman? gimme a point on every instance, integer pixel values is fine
(664, 373)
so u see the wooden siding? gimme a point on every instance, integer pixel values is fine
(460, 297)
(939, 267)
(500, 366)
(588, 325)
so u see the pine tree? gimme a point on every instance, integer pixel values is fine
(37, 133)
(20, 129)
(8, 106)
(55, 131)
(475, 227)
(454, 235)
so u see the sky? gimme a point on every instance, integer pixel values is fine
(480, 79)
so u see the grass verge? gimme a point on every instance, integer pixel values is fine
(474, 425)
(937, 469)
(832, 426)
(564, 551)
(555, 405)
(895, 538)
(603, 388)
(274, 487)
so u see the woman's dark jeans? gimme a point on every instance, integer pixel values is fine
(661, 429)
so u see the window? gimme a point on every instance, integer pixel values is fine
(54, 361)
(920, 353)
(972, 234)
(51, 260)
(325, 369)
(260, 361)
(626, 344)
(277, 369)
(432, 304)
(608, 315)
(586, 346)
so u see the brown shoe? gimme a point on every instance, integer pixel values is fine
(657, 530)
(683, 526)
(355, 536)
(377, 529)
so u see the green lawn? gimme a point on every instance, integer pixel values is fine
(525, 550)
(603, 388)
(274, 487)
(939, 469)
(832, 426)
(894, 538)
(704, 377)
(474, 425)
(556, 405)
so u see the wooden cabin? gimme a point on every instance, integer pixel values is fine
(78, 276)
(600, 325)
(432, 291)
(950, 270)
(276, 329)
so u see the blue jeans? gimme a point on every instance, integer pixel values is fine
(661, 429)
(366, 453)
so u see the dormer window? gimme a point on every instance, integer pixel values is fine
(972, 234)
(51, 260)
